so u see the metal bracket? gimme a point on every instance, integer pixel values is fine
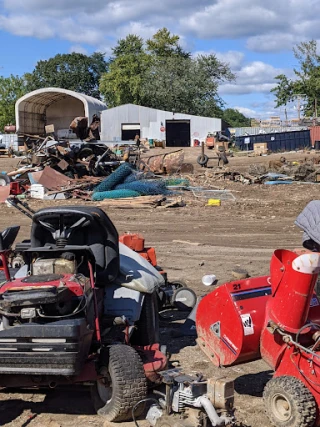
(215, 328)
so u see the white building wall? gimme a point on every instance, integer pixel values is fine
(151, 121)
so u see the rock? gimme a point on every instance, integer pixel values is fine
(240, 273)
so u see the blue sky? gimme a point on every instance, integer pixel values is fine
(255, 37)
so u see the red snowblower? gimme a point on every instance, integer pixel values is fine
(276, 318)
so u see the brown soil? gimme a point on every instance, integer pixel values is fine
(190, 241)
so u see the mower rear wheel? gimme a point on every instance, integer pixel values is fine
(4, 180)
(123, 385)
(289, 403)
(147, 327)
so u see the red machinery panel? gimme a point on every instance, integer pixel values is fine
(230, 320)
(290, 289)
(42, 281)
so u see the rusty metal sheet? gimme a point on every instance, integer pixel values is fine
(165, 163)
(34, 177)
(53, 180)
(4, 193)
(314, 134)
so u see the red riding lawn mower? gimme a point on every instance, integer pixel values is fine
(276, 318)
(82, 309)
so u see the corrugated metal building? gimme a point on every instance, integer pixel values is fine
(178, 130)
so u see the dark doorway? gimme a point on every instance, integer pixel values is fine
(129, 131)
(178, 133)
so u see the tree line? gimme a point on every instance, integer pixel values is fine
(304, 85)
(157, 73)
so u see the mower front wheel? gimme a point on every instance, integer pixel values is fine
(122, 386)
(289, 403)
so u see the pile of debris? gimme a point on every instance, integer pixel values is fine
(276, 172)
(51, 169)
(285, 172)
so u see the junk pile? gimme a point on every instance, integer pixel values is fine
(138, 189)
(51, 169)
(274, 173)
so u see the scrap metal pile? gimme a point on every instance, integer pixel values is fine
(51, 169)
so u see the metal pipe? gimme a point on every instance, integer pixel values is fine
(205, 403)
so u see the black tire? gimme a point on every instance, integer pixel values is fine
(289, 403)
(147, 327)
(84, 153)
(202, 160)
(224, 159)
(126, 385)
(4, 179)
(184, 299)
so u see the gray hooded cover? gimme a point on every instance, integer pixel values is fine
(309, 222)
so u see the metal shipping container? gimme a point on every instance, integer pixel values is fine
(284, 141)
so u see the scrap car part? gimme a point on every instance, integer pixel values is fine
(185, 392)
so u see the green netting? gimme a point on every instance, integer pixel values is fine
(145, 188)
(177, 181)
(114, 194)
(115, 178)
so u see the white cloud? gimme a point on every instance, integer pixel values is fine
(78, 49)
(273, 42)
(241, 89)
(261, 26)
(268, 26)
(246, 111)
(252, 77)
(22, 25)
(232, 18)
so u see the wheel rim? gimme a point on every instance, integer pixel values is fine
(281, 407)
(105, 391)
(3, 182)
(104, 386)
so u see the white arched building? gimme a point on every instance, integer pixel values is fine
(53, 106)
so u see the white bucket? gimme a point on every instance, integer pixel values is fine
(37, 191)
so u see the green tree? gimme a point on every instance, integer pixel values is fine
(162, 75)
(184, 85)
(11, 89)
(122, 83)
(163, 44)
(306, 82)
(235, 119)
(74, 71)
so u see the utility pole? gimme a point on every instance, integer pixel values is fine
(299, 97)
(298, 107)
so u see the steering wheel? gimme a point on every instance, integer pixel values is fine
(64, 232)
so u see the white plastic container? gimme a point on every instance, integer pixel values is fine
(209, 279)
(37, 191)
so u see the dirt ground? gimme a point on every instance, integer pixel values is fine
(190, 241)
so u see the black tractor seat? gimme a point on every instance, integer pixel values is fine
(80, 226)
